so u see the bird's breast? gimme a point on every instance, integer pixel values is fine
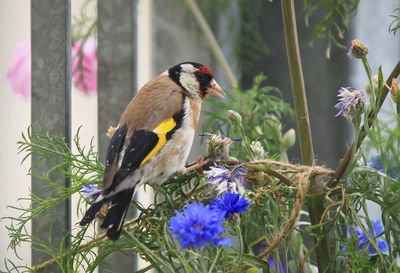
(171, 158)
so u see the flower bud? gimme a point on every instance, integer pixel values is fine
(235, 118)
(394, 90)
(358, 49)
(288, 139)
(258, 130)
(274, 125)
(218, 146)
(257, 149)
(370, 89)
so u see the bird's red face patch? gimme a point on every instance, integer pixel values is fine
(205, 70)
(204, 77)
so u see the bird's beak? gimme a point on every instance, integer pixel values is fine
(215, 89)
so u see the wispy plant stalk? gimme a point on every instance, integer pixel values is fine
(215, 48)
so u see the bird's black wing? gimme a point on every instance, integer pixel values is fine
(141, 147)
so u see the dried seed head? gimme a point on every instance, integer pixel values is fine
(357, 49)
(218, 146)
(111, 131)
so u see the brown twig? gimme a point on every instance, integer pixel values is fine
(264, 168)
(332, 204)
(203, 162)
(344, 163)
(99, 239)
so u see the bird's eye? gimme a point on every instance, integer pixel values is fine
(200, 76)
(203, 78)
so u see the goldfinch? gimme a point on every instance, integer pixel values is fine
(153, 139)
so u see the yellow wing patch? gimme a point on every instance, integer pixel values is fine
(161, 130)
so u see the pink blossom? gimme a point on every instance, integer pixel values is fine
(84, 65)
(19, 69)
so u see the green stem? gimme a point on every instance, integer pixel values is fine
(368, 69)
(202, 261)
(296, 76)
(214, 263)
(240, 241)
(356, 124)
(156, 261)
(367, 218)
(315, 207)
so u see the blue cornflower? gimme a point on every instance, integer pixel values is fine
(351, 103)
(392, 170)
(198, 226)
(363, 240)
(225, 180)
(230, 203)
(90, 191)
(271, 263)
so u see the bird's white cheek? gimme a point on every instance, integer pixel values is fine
(190, 83)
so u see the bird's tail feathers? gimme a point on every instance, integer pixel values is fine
(116, 208)
(115, 217)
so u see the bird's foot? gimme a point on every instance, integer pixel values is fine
(201, 162)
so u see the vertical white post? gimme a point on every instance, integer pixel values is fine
(83, 116)
(144, 74)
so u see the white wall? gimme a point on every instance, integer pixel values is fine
(14, 119)
(15, 114)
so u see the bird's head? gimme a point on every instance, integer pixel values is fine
(196, 79)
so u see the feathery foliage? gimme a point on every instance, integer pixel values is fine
(270, 233)
(335, 21)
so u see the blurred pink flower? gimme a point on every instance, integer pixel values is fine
(19, 69)
(84, 69)
(84, 66)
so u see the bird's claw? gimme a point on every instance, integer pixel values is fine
(201, 162)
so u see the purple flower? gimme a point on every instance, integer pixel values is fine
(225, 180)
(351, 103)
(272, 267)
(363, 240)
(198, 226)
(90, 191)
(271, 263)
(19, 69)
(230, 203)
(392, 171)
(84, 65)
